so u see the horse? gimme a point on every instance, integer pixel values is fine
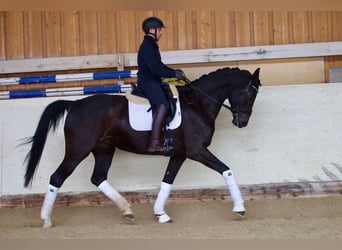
(99, 124)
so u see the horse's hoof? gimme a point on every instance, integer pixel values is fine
(239, 210)
(47, 223)
(129, 217)
(241, 214)
(163, 218)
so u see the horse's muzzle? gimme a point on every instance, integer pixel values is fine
(240, 121)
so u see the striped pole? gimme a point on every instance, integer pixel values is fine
(69, 77)
(87, 90)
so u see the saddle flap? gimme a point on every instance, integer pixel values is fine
(139, 116)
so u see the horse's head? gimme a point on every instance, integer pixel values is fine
(242, 103)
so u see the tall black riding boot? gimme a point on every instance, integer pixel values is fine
(156, 143)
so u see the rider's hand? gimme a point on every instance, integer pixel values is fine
(180, 74)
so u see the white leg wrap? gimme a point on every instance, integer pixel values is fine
(49, 201)
(163, 195)
(234, 191)
(117, 198)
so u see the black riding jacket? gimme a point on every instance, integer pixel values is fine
(150, 66)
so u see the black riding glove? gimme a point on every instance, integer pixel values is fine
(180, 74)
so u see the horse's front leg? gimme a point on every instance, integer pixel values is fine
(174, 165)
(207, 158)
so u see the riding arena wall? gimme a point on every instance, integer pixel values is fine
(290, 147)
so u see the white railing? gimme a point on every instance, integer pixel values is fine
(120, 61)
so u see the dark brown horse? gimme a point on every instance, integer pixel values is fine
(98, 124)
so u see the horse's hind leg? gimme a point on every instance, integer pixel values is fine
(57, 179)
(103, 158)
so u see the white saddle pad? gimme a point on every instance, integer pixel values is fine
(140, 114)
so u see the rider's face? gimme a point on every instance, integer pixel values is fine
(158, 32)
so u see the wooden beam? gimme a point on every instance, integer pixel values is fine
(250, 192)
(175, 57)
(245, 53)
(58, 63)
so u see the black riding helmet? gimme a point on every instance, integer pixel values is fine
(152, 22)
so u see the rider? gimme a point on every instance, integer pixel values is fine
(150, 71)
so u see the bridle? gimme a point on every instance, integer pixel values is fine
(236, 110)
(243, 96)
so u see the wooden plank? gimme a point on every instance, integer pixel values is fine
(281, 27)
(33, 34)
(321, 26)
(107, 32)
(2, 35)
(52, 26)
(302, 27)
(14, 35)
(246, 53)
(126, 37)
(204, 30)
(175, 34)
(221, 20)
(250, 192)
(253, 53)
(336, 25)
(88, 33)
(70, 36)
(242, 29)
(176, 57)
(58, 63)
(261, 28)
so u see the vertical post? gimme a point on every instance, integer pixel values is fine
(120, 66)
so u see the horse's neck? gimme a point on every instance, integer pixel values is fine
(210, 101)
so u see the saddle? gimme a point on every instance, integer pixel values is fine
(140, 110)
(171, 94)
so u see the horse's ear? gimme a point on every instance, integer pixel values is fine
(256, 73)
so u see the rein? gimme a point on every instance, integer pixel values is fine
(188, 82)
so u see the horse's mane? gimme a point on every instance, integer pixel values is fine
(219, 72)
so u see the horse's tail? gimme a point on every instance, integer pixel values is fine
(48, 120)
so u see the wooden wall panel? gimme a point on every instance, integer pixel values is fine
(243, 29)
(14, 38)
(336, 25)
(301, 27)
(88, 33)
(27, 34)
(224, 29)
(70, 33)
(2, 36)
(107, 32)
(205, 30)
(261, 28)
(32, 34)
(52, 34)
(37, 34)
(126, 35)
(281, 29)
(321, 22)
